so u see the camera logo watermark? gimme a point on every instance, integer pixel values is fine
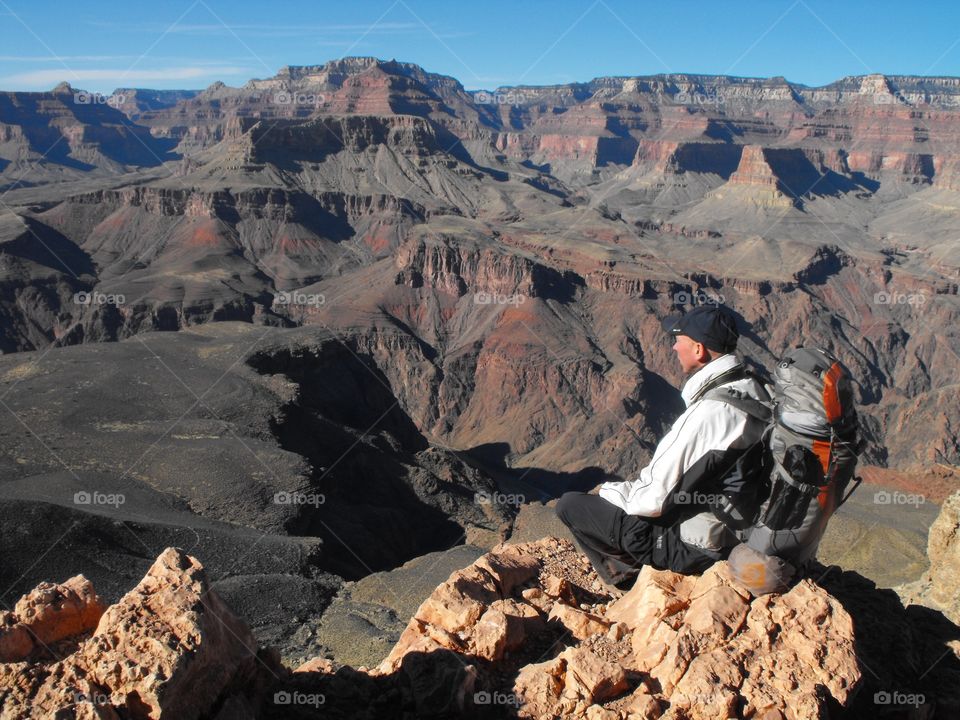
(282, 697)
(94, 297)
(94, 698)
(883, 497)
(495, 698)
(299, 98)
(883, 98)
(485, 298)
(898, 298)
(698, 498)
(84, 497)
(698, 298)
(499, 98)
(81, 97)
(300, 298)
(898, 698)
(696, 98)
(299, 498)
(499, 498)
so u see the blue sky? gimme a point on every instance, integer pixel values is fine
(99, 45)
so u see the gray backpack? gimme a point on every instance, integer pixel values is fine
(808, 457)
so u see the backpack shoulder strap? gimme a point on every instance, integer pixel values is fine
(717, 389)
(762, 411)
(738, 372)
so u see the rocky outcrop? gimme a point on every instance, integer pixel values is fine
(943, 549)
(700, 647)
(70, 132)
(939, 588)
(524, 631)
(168, 648)
(755, 172)
(674, 157)
(692, 647)
(48, 614)
(453, 264)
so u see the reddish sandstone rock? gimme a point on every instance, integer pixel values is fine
(558, 588)
(939, 588)
(168, 648)
(754, 173)
(589, 677)
(504, 627)
(568, 684)
(722, 647)
(321, 665)
(48, 613)
(680, 647)
(687, 647)
(472, 612)
(579, 623)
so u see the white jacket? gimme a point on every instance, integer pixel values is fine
(706, 438)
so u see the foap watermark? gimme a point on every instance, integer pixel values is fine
(698, 98)
(697, 298)
(885, 497)
(885, 98)
(94, 297)
(495, 698)
(498, 498)
(283, 697)
(885, 697)
(296, 297)
(485, 298)
(499, 98)
(83, 497)
(298, 498)
(899, 298)
(697, 498)
(292, 97)
(94, 698)
(82, 97)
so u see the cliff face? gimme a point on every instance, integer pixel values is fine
(894, 125)
(500, 260)
(68, 134)
(939, 588)
(565, 370)
(541, 341)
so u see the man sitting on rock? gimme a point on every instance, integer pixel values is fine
(661, 518)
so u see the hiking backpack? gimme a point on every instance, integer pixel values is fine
(780, 494)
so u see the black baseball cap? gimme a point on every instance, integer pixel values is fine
(713, 325)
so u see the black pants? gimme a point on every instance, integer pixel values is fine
(618, 544)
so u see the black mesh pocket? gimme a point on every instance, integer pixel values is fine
(792, 489)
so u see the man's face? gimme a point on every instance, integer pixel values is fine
(690, 354)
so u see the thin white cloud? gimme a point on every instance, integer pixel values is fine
(278, 31)
(259, 30)
(60, 58)
(44, 78)
(199, 62)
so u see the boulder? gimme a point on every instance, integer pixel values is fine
(169, 648)
(47, 614)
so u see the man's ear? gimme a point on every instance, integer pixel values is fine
(703, 353)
